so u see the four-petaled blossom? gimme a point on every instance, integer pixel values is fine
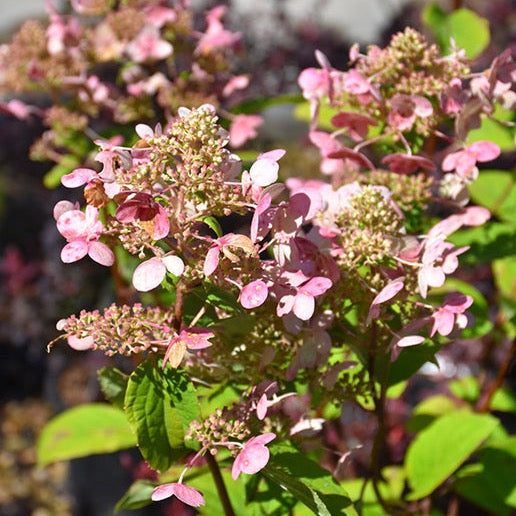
(464, 161)
(148, 46)
(302, 303)
(223, 244)
(406, 164)
(253, 457)
(192, 339)
(451, 313)
(82, 231)
(405, 109)
(186, 494)
(150, 273)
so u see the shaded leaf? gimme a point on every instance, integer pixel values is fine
(113, 384)
(137, 496)
(86, 430)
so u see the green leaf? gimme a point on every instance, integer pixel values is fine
(434, 17)
(302, 112)
(160, 405)
(428, 410)
(488, 242)
(504, 400)
(496, 190)
(467, 388)
(469, 30)
(494, 132)
(113, 384)
(442, 447)
(213, 224)
(490, 483)
(307, 481)
(137, 496)
(86, 430)
(410, 360)
(504, 271)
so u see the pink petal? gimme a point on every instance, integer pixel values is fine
(304, 306)
(388, 292)
(174, 264)
(450, 161)
(149, 274)
(74, 251)
(316, 286)
(163, 491)
(161, 226)
(475, 216)
(261, 407)
(62, 207)
(410, 340)
(101, 253)
(144, 131)
(72, 224)
(484, 151)
(188, 495)
(274, 155)
(443, 322)
(254, 294)
(264, 172)
(212, 260)
(80, 344)
(79, 177)
(262, 439)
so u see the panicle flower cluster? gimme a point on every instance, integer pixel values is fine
(138, 61)
(119, 329)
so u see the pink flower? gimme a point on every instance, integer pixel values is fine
(405, 109)
(186, 494)
(471, 216)
(452, 312)
(243, 128)
(405, 164)
(314, 83)
(150, 273)
(223, 244)
(464, 161)
(302, 303)
(410, 340)
(148, 46)
(238, 82)
(327, 145)
(356, 123)
(254, 294)
(387, 293)
(192, 339)
(355, 83)
(253, 457)
(82, 231)
(216, 36)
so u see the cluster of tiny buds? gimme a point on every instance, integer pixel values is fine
(218, 427)
(118, 329)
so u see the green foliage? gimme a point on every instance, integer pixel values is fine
(307, 481)
(86, 430)
(137, 496)
(159, 406)
(113, 384)
(496, 190)
(428, 410)
(438, 451)
(465, 27)
(489, 483)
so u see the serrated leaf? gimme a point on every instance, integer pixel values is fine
(469, 31)
(438, 451)
(307, 481)
(137, 496)
(160, 405)
(113, 384)
(86, 430)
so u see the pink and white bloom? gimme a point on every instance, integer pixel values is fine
(186, 494)
(150, 273)
(223, 244)
(451, 313)
(191, 339)
(253, 457)
(148, 46)
(464, 161)
(405, 109)
(243, 128)
(82, 231)
(302, 303)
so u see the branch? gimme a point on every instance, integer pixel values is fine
(219, 484)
